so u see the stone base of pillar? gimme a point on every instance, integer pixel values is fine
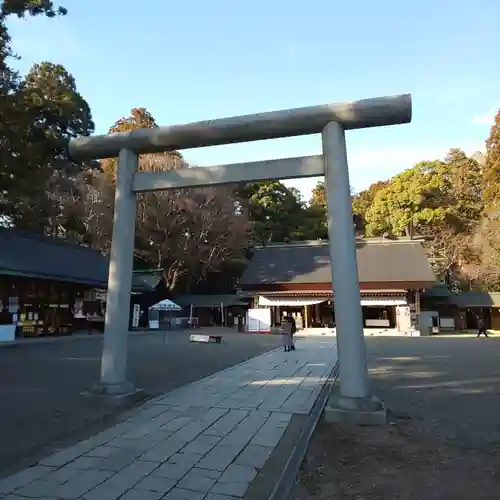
(368, 411)
(118, 394)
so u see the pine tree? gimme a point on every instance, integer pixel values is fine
(492, 167)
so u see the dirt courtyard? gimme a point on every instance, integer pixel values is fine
(443, 442)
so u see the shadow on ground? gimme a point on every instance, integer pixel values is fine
(41, 385)
(444, 438)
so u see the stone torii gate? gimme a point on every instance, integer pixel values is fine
(330, 121)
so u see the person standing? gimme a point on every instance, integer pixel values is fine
(294, 330)
(287, 332)
(481, 327)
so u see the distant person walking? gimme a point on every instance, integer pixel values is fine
(288, 328)
(481, 328)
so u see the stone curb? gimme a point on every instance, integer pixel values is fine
(286, 459)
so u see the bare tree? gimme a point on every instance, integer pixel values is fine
(484, 270)
(190, 231)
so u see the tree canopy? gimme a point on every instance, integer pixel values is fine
(197, 235)
(22, 8)
(40, 112)
(276, 212)
(189, 233)
(492, 164)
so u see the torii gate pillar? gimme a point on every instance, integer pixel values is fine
(352, 402)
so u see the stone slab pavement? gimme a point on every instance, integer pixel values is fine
(209, 440)
(42, 406)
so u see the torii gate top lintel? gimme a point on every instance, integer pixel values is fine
(331, 121)
(374, 112)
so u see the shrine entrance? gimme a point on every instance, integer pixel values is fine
(331, 121)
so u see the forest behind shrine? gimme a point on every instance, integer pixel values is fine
(196, 234)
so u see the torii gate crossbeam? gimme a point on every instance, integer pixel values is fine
(330, 121)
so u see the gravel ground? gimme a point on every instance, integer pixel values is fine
(41, 405)
(443, 442)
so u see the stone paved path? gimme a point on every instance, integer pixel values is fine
(41, 383)
(204, 441)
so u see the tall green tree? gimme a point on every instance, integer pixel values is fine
(464, 190)
(22, 8)
(316, 213)
(18, 8)
(410, 200)
(363, 200)
(276, 212)
(439, 200)
(484, 272)
(37, 172)
(10, 111)
(37, 116)
(492, 167)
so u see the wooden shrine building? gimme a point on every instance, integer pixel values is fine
(51, 287)
(296, 278)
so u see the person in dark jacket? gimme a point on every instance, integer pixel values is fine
(288, 328)
(294, 330)
(481, 327)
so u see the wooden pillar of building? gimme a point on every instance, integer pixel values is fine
(306, 318)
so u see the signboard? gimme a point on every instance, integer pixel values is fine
(205, 338)
(259, 320)
(136, 312)
(403, 320)
(199, 338)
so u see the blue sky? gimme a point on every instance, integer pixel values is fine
(196, 60)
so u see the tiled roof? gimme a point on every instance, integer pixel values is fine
(476, 299)
(379, 260)
(33, 256)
